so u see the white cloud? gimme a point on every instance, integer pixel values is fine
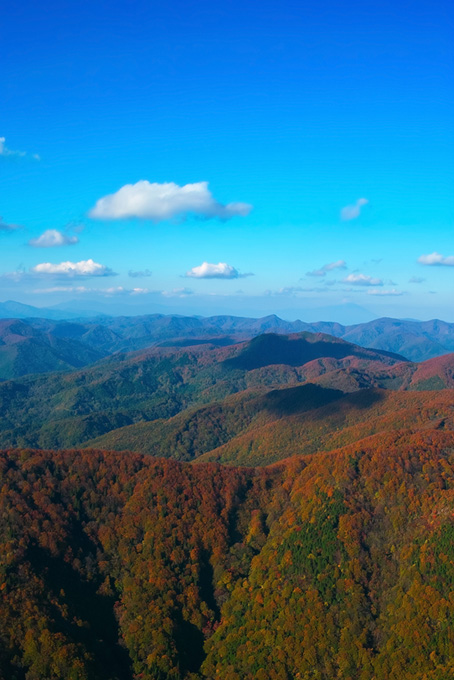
(222, 270)
(351, 212)
(4, 226)
(392, 292)
(362, 280)
(178, 292)
(158, 202)
(339, 264)
(83, 268)
(62, 289)
(140, 274)
(5, 152)
(140, 291)
(52, 238)
(437, 260)
(416, 279)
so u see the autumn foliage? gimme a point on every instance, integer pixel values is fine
(332, 565)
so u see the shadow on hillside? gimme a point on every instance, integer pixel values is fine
(308, 397)
(293, 400)
(269, 349)
(360, 400)
(223, 341)
(99, 632)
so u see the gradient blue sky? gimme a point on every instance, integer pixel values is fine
(297, 109)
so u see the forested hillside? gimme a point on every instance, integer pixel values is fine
(334, 565)
(69, 408)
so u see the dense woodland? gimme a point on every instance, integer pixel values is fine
(335, 565)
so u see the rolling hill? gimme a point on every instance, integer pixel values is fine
(25, 349)
(67, 409)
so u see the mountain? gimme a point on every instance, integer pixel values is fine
(225, 403)
(25, 349)
(67, 409)
(333, 565)
(415, 340)
(17, 310)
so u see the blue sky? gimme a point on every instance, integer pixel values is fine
(317, 137)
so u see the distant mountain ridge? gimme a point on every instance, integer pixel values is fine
(25, 349)
(88, 340)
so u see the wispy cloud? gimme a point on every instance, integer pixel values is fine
(5, 226)
(178, 292)
(339, 264)
(362, 280)
(5, 152)
(384, 293)
(158, 202)
(84, 268)
(351, 212)
(416, 279)
(140, 274)
(53, 238)
(293, 291)
(222, 270)
(105, 292)
(437, 260)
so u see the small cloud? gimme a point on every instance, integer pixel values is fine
(4, 226)
(53, 238)
(84, 268)
(222, 270)
(351, 212)
(140, 291)
(159, 202)
(339, 264)
(416, 279)
(316, 272)
(292, 291)
(140, 274)
(5, 152)
(362, 280)
(384, 293)
(437, 260)
(178, 292)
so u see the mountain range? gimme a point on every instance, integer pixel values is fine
(39, 345)
(218, 401)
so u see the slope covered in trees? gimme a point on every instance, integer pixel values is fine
(251, 429)
(67, 409)
(333, 565)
